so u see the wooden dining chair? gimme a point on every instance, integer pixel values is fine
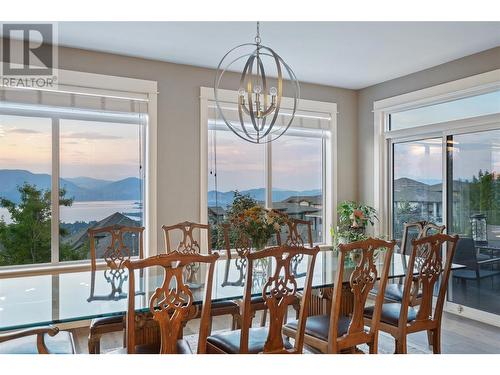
(39, 340)
(187, 232)
(411, 231)
(171, 303)
(425, 267)
(294, 230)
(242, 244)
(335, 332)
(118, 242)
(294, 235)
(278, 292)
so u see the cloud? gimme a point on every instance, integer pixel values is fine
(24, 131)
(90, 136)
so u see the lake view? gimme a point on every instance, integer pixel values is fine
(90, 211)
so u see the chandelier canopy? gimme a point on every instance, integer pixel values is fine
(259, 116)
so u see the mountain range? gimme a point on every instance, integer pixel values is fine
(225, 199)
(78, 188)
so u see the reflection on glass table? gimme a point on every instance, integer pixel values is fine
(64, 297)
(115, 279)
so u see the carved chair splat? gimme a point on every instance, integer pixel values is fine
(188, 244)
(335, 333)
(115, 255)
(117, 252)
(171, 304)
(278, 292)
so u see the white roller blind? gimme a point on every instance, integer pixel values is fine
(304, 121)
(68, 104)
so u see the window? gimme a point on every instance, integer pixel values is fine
(475, 181)
(417, 183)
(297, 167)
(93, 159)
(472, 106)
(234, 165)
(25, 174)
(100, 168)
(292, 174)
(448, 172)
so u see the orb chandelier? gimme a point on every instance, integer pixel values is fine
(264, 78)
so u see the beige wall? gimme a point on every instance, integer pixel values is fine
(467, 66)
(178, 125)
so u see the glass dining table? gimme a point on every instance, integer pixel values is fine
(63, 297)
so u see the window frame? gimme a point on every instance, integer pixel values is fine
(91, 84)
(329, 156)
(384, 139)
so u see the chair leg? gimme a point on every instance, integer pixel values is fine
(263, 318)
(401, 345)
(373, 346)
(236, 322)
(296, 307)
(436, 341)
(429, 337)
(209, 326)
(94, 344)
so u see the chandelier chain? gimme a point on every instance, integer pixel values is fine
(257, 37)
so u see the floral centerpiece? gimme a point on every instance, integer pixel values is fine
(258, 224)
(246, 218)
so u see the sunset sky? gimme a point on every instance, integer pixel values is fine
(92, 149)
(240, 164)
(110, 151)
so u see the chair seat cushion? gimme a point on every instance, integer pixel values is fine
(257, 299)
(390, 313)
(62, 343)
(98, 322)
(182, 348)
(223, 304)
(394, 292)
(319, 325)
(229, 341)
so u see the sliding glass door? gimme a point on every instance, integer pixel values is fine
(444, 167)
(473, 165)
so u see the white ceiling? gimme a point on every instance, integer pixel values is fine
(345, 54)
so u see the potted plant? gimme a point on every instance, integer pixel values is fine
(353, 220)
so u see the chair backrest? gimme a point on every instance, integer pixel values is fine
(118, 251)
(411, 231)
(188, 243)
(294, 236)
(171, 302)
(425, 268)
(279, 291)
(431, 228)
(365, 254)
(239, 242)
(418, 229)
(466, 253)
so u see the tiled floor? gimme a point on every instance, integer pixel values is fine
(459, 336)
